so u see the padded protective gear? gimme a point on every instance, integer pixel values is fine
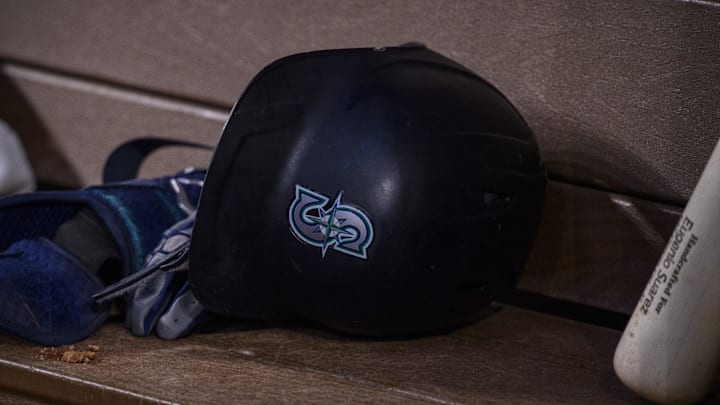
(58, 248)
(158, 294)
(159, 297)
(181, 316)
(45, 294)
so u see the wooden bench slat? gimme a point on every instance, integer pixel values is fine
(69, 127)
(15, 398)
(512, 356)
(597, 248)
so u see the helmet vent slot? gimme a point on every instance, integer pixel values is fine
(475, 287)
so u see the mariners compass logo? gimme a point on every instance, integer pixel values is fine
(342, 227)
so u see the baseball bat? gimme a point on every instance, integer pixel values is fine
(670, 349)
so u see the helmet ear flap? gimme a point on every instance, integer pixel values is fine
(373, 191)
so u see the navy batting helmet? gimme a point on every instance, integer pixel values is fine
(375, 191)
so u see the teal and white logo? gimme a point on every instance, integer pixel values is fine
(342, 227)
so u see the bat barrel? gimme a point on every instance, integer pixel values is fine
(670, 350)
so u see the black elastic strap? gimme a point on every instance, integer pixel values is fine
(124, 162)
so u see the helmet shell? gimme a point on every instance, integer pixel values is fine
(375, 191)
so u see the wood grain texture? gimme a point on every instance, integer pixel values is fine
(622, 95)
(597, 248)
(15, 398)
(512, 356)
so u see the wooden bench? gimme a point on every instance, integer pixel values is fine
(623, 97)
